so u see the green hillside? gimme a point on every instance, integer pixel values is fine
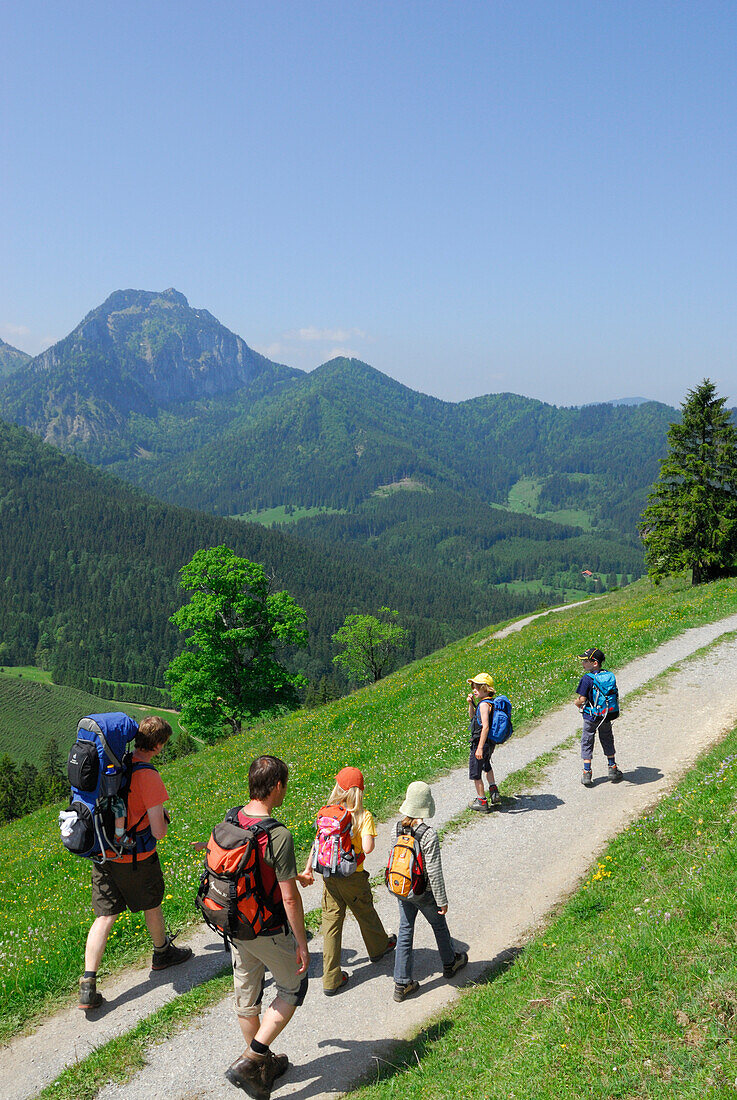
(33, 712)
(411, 725)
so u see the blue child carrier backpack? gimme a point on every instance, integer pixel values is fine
(605, 696)
(500, 719)
(99, 770)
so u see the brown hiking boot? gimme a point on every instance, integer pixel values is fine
(88, 995)
(257, 1075)
(169, 955)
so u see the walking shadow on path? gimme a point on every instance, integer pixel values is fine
(330, 1071)
(389, 1058)
(523, 803)
(181, 981)
(641, 775)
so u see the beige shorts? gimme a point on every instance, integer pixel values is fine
(251, 960)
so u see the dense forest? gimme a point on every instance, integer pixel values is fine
(91, 574)
(333, 437)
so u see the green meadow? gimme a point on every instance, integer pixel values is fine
(283, 513)
(411, 725)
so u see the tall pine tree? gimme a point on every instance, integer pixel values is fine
(691, 518)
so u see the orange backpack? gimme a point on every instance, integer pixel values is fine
(232, 896)
(405, 875)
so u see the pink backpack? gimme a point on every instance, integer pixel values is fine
(333, 852)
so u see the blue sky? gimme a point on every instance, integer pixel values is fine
(472, 197)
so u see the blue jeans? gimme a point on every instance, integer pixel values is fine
(408, 910)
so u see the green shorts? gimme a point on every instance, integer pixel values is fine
(120, 886)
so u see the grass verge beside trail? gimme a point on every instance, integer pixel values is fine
(411, 725)
(630, 991)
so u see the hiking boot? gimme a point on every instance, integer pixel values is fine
(88, 995)
(402, 992)
(614, 773)
(169, 955)
(257, 1075)
(389, 947)
(494, 798)
(458, 963)
(339, 988)
(587, 778)
(480, 805)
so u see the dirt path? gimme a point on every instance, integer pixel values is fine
(527, 856)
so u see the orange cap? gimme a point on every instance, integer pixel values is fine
(349, 777)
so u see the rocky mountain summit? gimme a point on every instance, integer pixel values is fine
(137, 353)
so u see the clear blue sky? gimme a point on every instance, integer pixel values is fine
(471, 196)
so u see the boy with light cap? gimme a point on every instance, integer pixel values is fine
(480, 701)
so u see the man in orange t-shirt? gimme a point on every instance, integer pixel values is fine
(134, 880)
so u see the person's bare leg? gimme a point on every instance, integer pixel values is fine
(96, 940)
(156, 926)
(275, 1019)
(249, 1027)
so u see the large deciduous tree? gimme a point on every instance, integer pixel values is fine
(369, 644)
(691, 518)
(237, 628)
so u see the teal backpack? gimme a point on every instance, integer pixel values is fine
(605, 701)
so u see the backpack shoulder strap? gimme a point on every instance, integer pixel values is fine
(420, 831)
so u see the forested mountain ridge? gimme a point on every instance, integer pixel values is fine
(332, 437)
(138, 353)
(173, 401)
(91, 574)
(11, 359)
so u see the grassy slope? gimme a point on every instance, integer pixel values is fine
(33, 711)
(411, 725)
(629, 992)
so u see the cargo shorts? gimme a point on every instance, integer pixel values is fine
(251, 960)
(120, 886)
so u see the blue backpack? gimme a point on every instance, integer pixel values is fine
(99, 770)
(500, 722)
(605, 700)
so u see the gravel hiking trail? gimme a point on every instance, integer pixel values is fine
(504, 872)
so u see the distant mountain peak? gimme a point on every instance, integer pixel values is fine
(140, 351)
(11, 359)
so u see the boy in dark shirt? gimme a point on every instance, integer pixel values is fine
(590, 699)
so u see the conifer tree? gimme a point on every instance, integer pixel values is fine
(691, 518)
